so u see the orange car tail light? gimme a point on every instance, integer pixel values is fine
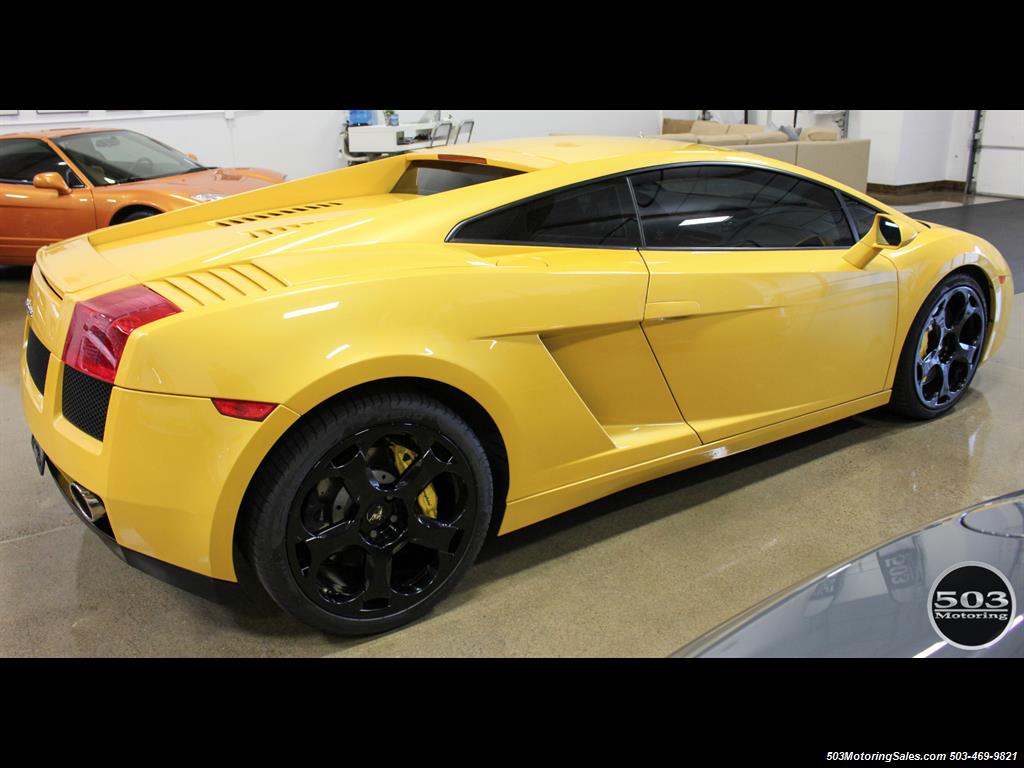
(100, 328)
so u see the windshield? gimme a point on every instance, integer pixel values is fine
(428, 177)
(116, 157)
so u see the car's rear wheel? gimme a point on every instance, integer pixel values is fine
(943, 349)
(369, 513)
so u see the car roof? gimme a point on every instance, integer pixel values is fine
(550, 151)
(54, 133)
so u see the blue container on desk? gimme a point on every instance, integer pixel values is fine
(362, 117)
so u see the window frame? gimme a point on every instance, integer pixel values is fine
(452, 236)
(858, 235)
(59, 155)
(704, 163)
(424, 163)
(84, 177)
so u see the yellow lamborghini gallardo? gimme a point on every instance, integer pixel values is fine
(345, 381)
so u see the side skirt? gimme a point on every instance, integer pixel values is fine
(531, 509)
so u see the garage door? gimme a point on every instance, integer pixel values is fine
(1000, 170)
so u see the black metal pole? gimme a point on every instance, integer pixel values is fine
(969, 182)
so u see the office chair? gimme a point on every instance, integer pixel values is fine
(441, 134)
(465, 129)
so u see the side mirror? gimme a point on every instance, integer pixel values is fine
(191, 156)
(889, 234)
(885, 234)
(51, 180)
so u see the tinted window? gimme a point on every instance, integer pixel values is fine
(22, 159)
(722, 206)
(428, 177)
(115, 157)
(863, 214)
(597, 214)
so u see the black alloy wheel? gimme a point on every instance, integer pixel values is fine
(949, 348)
(360, 542)
(367, 532)
(942, 350)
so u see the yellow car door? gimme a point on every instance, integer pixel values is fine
(752, 311)
(569, 263)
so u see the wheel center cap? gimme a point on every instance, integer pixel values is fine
(376, 515)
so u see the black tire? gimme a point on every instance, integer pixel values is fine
(138, 215)
(942, 350)
(326, 489)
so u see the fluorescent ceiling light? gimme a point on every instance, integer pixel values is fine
(705, 220)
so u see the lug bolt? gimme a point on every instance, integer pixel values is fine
(394, 518)
(373, 534)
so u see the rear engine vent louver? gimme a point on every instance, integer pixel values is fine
(271, 231)
(250, 218)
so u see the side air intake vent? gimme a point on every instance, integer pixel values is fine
(250, 218)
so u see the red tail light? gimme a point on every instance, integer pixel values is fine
(243, 409)
(100, 328)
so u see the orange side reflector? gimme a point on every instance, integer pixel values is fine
(243, 409)
(1002, 279)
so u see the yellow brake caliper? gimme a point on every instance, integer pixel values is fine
(428, 499)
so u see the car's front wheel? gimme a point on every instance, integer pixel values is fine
(144, 213)
(943, 349)
(369, 513)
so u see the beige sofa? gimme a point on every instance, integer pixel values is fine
(719, 134)
(819, 149)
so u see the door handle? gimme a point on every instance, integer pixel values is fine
(666, 310)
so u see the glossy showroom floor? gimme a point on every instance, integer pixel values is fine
(638, 574)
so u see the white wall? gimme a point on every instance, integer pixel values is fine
(885, 129)
(304, 142)
(907, 146)
(924, 146)
(959, 144)
(511, 123)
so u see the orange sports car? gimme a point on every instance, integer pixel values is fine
(56, 184)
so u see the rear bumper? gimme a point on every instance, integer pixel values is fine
(171, 471)
(217, 590)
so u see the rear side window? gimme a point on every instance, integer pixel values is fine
(428, 177)
(725, 206)
(862, 213)
(596, 214)
(22, 159)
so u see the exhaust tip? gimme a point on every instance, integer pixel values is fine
(88, 504)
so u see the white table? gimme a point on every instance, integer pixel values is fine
(389, 139)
